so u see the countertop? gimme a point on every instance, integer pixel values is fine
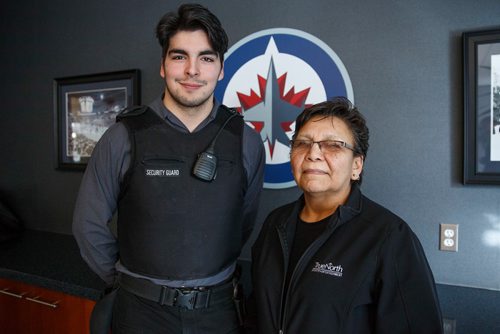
(50, 260)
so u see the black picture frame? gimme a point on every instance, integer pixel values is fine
(481, 61)
(84, 107)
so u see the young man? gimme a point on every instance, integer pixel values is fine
(181, 224)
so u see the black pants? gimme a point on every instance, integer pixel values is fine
(133, 314)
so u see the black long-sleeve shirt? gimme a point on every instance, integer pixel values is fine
(98, 196)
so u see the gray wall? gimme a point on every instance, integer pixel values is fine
(404, 60)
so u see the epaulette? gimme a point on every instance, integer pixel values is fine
(131, 111)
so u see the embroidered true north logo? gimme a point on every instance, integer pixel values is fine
(163, 172)
(328, 269)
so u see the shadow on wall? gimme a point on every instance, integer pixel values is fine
(491, 237)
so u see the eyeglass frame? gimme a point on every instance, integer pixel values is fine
(341, 143)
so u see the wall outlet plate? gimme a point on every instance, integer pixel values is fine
(448, 237)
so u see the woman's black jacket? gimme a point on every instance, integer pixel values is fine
(367, 273)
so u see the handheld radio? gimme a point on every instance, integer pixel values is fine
(205, 167)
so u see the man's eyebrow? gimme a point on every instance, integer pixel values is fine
(180, 51)
(208, 53)
(202, 53)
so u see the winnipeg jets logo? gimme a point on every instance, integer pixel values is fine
(271, 76)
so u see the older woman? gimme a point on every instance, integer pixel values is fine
(334, 261)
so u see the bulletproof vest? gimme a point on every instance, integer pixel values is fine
(172, 225)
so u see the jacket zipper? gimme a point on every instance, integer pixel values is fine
(285, 255)
(308, 252)
(284, 309)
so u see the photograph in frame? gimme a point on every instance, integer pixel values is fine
(86, 106)
(482, 107)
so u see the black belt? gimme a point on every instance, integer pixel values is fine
(190, 298)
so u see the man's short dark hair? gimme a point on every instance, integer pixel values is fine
(191, 17)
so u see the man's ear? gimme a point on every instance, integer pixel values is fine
(162, 68)
(221, 74)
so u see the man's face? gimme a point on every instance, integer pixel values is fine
(191, 69)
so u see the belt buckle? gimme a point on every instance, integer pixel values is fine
(185, 298)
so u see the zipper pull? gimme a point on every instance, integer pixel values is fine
(281, 331)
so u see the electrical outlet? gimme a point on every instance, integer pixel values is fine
(448, 237)
(449, 326)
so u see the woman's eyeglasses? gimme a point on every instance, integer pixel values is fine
(325, 146)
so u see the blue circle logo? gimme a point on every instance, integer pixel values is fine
(270, 77)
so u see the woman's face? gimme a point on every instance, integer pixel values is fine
(326, 171)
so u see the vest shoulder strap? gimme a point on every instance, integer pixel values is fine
(131, 111)
(132, 122)
(231, 110)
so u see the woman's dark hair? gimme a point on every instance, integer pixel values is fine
(191, 17)
(343, 109)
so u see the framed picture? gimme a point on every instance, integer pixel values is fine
(85, 107)
(481, 107)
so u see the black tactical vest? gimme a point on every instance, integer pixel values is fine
(172, 225)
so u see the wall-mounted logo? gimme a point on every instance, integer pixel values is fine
(270, 76)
